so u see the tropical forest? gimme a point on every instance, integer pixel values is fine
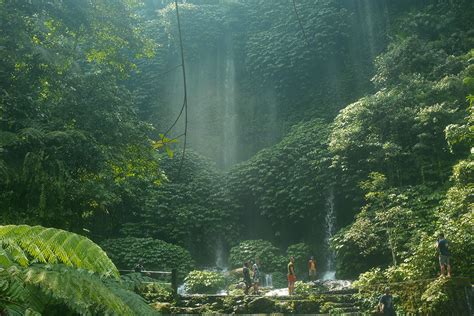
(236, 157)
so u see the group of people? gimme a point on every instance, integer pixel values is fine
(292, 274)
(385, 305)
(254, 280)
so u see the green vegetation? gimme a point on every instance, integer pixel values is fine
(202, 282)
(54, 271)
(250, 250)
(364, 108)
(152, 253)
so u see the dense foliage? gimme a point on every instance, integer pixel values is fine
(71, 146)
(392, 145)
(269, 256)
(281, 102)
(204, 282)
(285, 187)
(253, 73)
(187, 209)
(153, 254)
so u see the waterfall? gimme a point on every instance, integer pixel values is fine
(220, 261)
(330, 220)
(268, 280)
(229, 126)
(182, 289)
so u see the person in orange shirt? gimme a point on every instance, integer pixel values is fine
(312, 268)
(291, 276)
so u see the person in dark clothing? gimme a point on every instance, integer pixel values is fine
(386, 304)
(139, 267)
(247, 279)
(443, 251)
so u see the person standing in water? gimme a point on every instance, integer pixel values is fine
(291, 276)
(312, 268)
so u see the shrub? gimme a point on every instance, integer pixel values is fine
(155, 254)
(204, 282)
(302, 288)
(270, 258)
(157, 292)
(279, 279)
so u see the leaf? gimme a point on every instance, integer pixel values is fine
(169, 152)
(51, 245)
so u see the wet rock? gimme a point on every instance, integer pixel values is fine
(306, 307)
(261, 305)
(338, 285)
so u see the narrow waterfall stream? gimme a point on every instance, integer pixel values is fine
(330, 221)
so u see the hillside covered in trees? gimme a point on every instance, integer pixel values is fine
(336, 129)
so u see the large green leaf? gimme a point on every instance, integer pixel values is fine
(51, 245)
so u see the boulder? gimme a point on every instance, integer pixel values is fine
(261, 305)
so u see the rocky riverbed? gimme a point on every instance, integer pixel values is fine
(325, 297)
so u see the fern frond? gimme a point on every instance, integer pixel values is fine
(3, 169)
(13, 292)
(8, 138)
(51, 245)
(6, 259)
(133, 281)
(13, 253)
(80, 290)
(133, 300)
(31, 133)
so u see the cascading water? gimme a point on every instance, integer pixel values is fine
(330, 220)
(230, 116)
(182, 289)
(268, 280)
(220, 261)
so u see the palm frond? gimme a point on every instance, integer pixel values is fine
(51, 245)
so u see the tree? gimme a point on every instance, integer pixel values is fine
(70, 141)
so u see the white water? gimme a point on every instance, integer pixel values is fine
(278, 292)
(220, 261)
(328, 275)
(181, 289)
(268, 280)
(229, 128)
(330, 220)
